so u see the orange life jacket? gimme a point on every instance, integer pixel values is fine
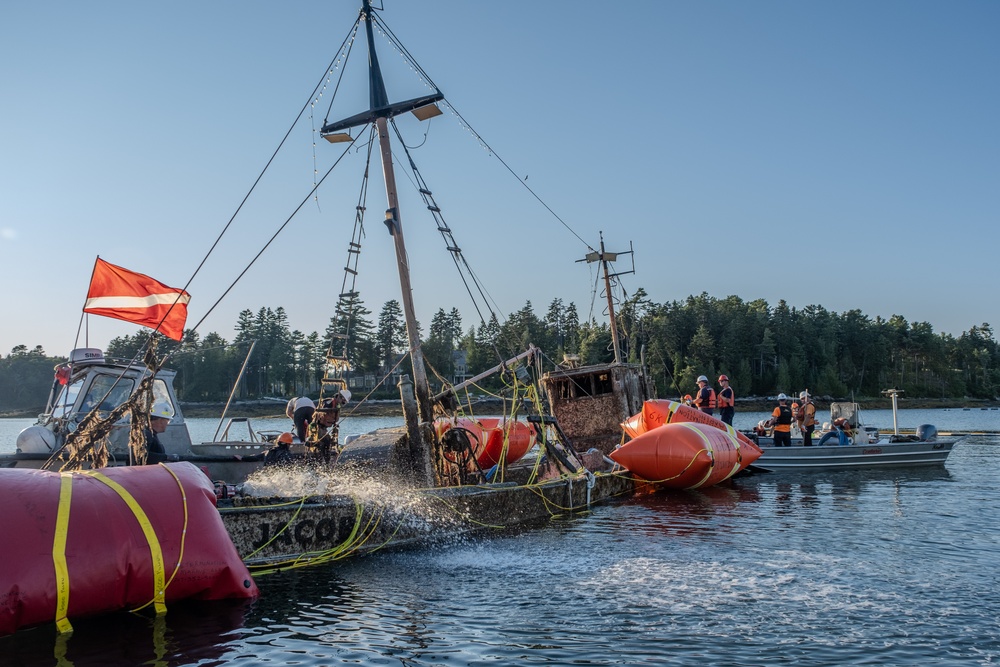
(711, 399)
(727, 398)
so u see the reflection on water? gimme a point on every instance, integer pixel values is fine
(188, 634)
(896, 567)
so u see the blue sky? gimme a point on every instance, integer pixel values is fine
(843, 154)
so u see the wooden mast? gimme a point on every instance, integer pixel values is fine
(380, 110)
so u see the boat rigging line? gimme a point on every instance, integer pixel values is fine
(408, 57)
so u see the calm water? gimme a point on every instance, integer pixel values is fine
(894, 568)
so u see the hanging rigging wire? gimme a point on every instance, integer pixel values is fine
(396, 44)
(276, 233)
(458, 257)
(338, 361)
(461, 265)
(341, 57)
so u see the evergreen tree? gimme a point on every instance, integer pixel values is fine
(390, 339)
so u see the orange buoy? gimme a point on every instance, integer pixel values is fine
(80, 544)
(492, 438)
(685, 455)
(656, 413)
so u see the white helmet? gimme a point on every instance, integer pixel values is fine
(782, 397)
(702, 378)
(346, 393)
(804, 395)
(161, 409)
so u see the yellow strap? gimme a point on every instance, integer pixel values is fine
(59, 553)
(159, 577)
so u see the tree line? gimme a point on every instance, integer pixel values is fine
(763, 349)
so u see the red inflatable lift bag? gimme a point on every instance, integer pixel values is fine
(80, 544)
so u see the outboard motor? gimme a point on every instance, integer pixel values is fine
(926, 432)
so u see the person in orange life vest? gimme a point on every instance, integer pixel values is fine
(806, 418)
(726, 400)
(704, 399)
(781, 420)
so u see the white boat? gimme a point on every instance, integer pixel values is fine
(90, 380)
(868, 449)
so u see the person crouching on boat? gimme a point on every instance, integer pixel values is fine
(727, 401)
(323, 430)
(807, 418)
(840, 429)
(159, 417)
(704, 399)
(781, 420)
(300, 410)
(281, 453)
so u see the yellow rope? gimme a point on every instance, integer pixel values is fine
(184, 528)
(59, 553)
(156, 553)
(301, 502)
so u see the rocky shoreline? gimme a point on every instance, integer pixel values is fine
(391, 408)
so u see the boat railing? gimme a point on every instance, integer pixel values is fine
(254, 436)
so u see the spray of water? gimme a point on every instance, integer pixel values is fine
(394, 499)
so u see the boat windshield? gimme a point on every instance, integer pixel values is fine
(107, 392)
(104, 394)
(67, 399)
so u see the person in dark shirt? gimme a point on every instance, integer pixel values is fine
(781, 420)
(704, 399)
(159, 418)
(726, 400)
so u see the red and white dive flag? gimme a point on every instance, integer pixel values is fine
(134, 297)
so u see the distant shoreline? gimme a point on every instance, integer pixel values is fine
(391, 408)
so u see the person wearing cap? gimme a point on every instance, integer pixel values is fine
(159, 417)
(727, 401)
(704, 398)
(781, 420)
(806, 418)
(323, 432)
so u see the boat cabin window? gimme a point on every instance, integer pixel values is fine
(585, 385)
(107, 392)
(161, 394)
(602, 383)
(67, 399)
(98, 394)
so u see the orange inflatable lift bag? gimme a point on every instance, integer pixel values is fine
(656, 413)
(85, 543)
(487, 437)
(685, 455)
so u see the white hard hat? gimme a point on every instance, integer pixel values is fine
(804, 394)
(346, 393)
(782, 397)
(702, 378)
(161, 409)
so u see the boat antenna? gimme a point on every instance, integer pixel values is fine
(604, 258)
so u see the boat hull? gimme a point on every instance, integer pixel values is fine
(276, 532)
(857, 457)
